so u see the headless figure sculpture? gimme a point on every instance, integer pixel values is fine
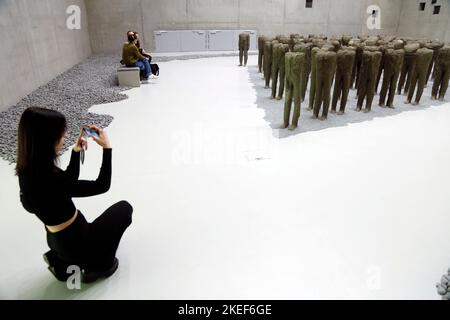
(306, 49)
(367, 79)
(294, 62)
(408, 65)
(244, 46)
(434, 45)
(267, 66)
(367, 49)
(392, 66)
(261, 41)
(442, 73)
(278, 68)
(345, 62)
(325, 69)
(419, 74)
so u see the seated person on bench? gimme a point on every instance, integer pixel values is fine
(131, 57)
(141, 50)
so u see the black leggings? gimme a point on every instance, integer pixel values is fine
(92, 246)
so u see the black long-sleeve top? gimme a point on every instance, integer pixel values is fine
(49, 195)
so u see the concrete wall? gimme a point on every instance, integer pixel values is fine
(415, 23)
(36, 45)
(110, 19)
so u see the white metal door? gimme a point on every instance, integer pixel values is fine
(221, 40)
(167, 41)
(193, 40)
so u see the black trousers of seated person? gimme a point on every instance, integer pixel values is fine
(91, 246)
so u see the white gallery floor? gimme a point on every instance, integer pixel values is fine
(226, 206)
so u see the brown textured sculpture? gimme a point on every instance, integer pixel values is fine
(261, 41)
(442, 73)
(392, 66)
(325, 69)
(278, 68)
(408, 65)
(345, 62)
(367, 80)
(419, 74)
(244, 46)
(294, 62)
(267, 65)
(434, 45)
(306, 49)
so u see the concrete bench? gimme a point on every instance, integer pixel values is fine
(129, 77)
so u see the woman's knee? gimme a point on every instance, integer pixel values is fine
(127, 209)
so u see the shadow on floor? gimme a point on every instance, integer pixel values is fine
(274, 108)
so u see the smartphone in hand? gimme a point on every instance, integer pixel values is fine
(90, 133)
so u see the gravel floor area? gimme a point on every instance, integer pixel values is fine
(88, 83)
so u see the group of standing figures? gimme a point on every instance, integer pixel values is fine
(402, 65)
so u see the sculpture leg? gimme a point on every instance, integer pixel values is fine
(413, 84)
(305, 79)
(358, 74)
(429, 69)
(359, 79)
(318, 96)
(326, 91)
(282, 77)
(260, 59)
(345, 91)
(409, 77)
(384, 87)
(312, 90)
(370, 92)
(268, 67)
(275, 69)
(401, 82)
(337, 91)
(421, 85)
(287, 102)
(380, 72)
(241, 54)
(438, 77)
(363, 91)
(245, 57)
(297, 104)
(444, 83)
(392, 88)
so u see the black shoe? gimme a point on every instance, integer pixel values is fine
(56, 266)
(91, 276)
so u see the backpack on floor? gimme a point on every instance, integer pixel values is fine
(155, 69)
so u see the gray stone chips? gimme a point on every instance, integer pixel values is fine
(72, 93)
(443, 287)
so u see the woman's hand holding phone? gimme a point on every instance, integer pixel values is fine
(102, 139)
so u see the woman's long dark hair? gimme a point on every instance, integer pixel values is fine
(40, 130)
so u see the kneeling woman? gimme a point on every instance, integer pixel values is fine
(47, 191)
